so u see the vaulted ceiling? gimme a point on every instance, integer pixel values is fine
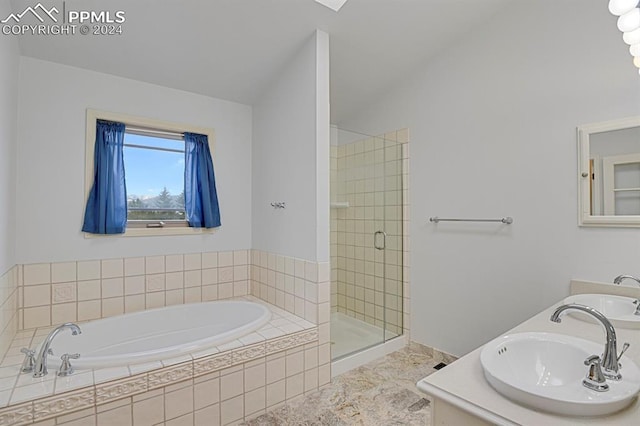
(232, 49)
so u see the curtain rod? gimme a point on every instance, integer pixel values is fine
(145, 131)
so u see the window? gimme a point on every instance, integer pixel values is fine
(154, 162)
(154, 168)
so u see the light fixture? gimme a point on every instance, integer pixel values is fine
(620, 7)
(632, 37)
(629, 21)
(334, 5)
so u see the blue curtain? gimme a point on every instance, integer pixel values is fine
(106, 211)
(200, 196)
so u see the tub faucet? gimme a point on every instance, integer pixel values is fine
(618, 280)
(610, 357)
(40, 368)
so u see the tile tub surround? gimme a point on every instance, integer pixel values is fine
(229, 383)
(372, 175)
(53, 293)
(381, 392)
(298, 286)
(8, 308)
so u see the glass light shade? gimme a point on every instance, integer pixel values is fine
(634, 49)
(632, 37)
(629, 21)
(620, 7)
(636, 61)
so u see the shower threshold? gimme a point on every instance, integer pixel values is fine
(350, 335)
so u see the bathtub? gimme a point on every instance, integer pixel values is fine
(158, 334)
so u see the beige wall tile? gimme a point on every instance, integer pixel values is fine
(120, 416)
(37, 273)
(178, 403)
(37, 295)
(174, 263)
(206, 393)
(186, 420)
(209, 260)
(192, 261)
(134, 285)
(276, 370)
(174, 280)
(112, 287)
(134, 266)
(254, 401)
(209, 416)
(295, 385)
(231, 385)
(63, 272)
(154, 264)
(88, 270)
(232, 410)
(149, 411)
(276, 393)
(64, 312)
(88, 290)
(112, 268)
(37, 317)
(89, 310)
(254, 377)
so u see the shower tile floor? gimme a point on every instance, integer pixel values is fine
(382, 392)
(349, 335)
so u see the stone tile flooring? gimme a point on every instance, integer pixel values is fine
(382, 392)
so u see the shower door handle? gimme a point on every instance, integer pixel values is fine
(384, 240)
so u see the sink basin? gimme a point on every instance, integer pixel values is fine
(618, 309)
(545, 371)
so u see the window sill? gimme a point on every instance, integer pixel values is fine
(156, 232)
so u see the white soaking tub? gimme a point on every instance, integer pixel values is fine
(158, 334)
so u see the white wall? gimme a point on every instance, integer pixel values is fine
(50, 166)
(9, 62)
(291, 157)
(492, 122)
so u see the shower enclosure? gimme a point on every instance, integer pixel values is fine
(366, 241)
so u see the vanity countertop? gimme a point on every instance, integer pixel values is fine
(463, 385)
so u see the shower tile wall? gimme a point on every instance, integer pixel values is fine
(368, 174)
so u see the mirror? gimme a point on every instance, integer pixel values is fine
(609, 173)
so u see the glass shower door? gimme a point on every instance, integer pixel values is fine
(366, 242)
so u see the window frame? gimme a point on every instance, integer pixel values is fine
(90, 139)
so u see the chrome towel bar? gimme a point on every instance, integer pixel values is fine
(506, 220)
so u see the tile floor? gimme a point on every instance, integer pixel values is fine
(382, 392)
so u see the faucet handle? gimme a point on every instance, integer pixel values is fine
(66, 368)
(595, 380)
(29, 360)
(624, 349)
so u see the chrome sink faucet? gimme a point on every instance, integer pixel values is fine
(610, 357)
(618, 280)
(40, 368)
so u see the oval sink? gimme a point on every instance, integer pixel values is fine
(545, 371)
(619, 310)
